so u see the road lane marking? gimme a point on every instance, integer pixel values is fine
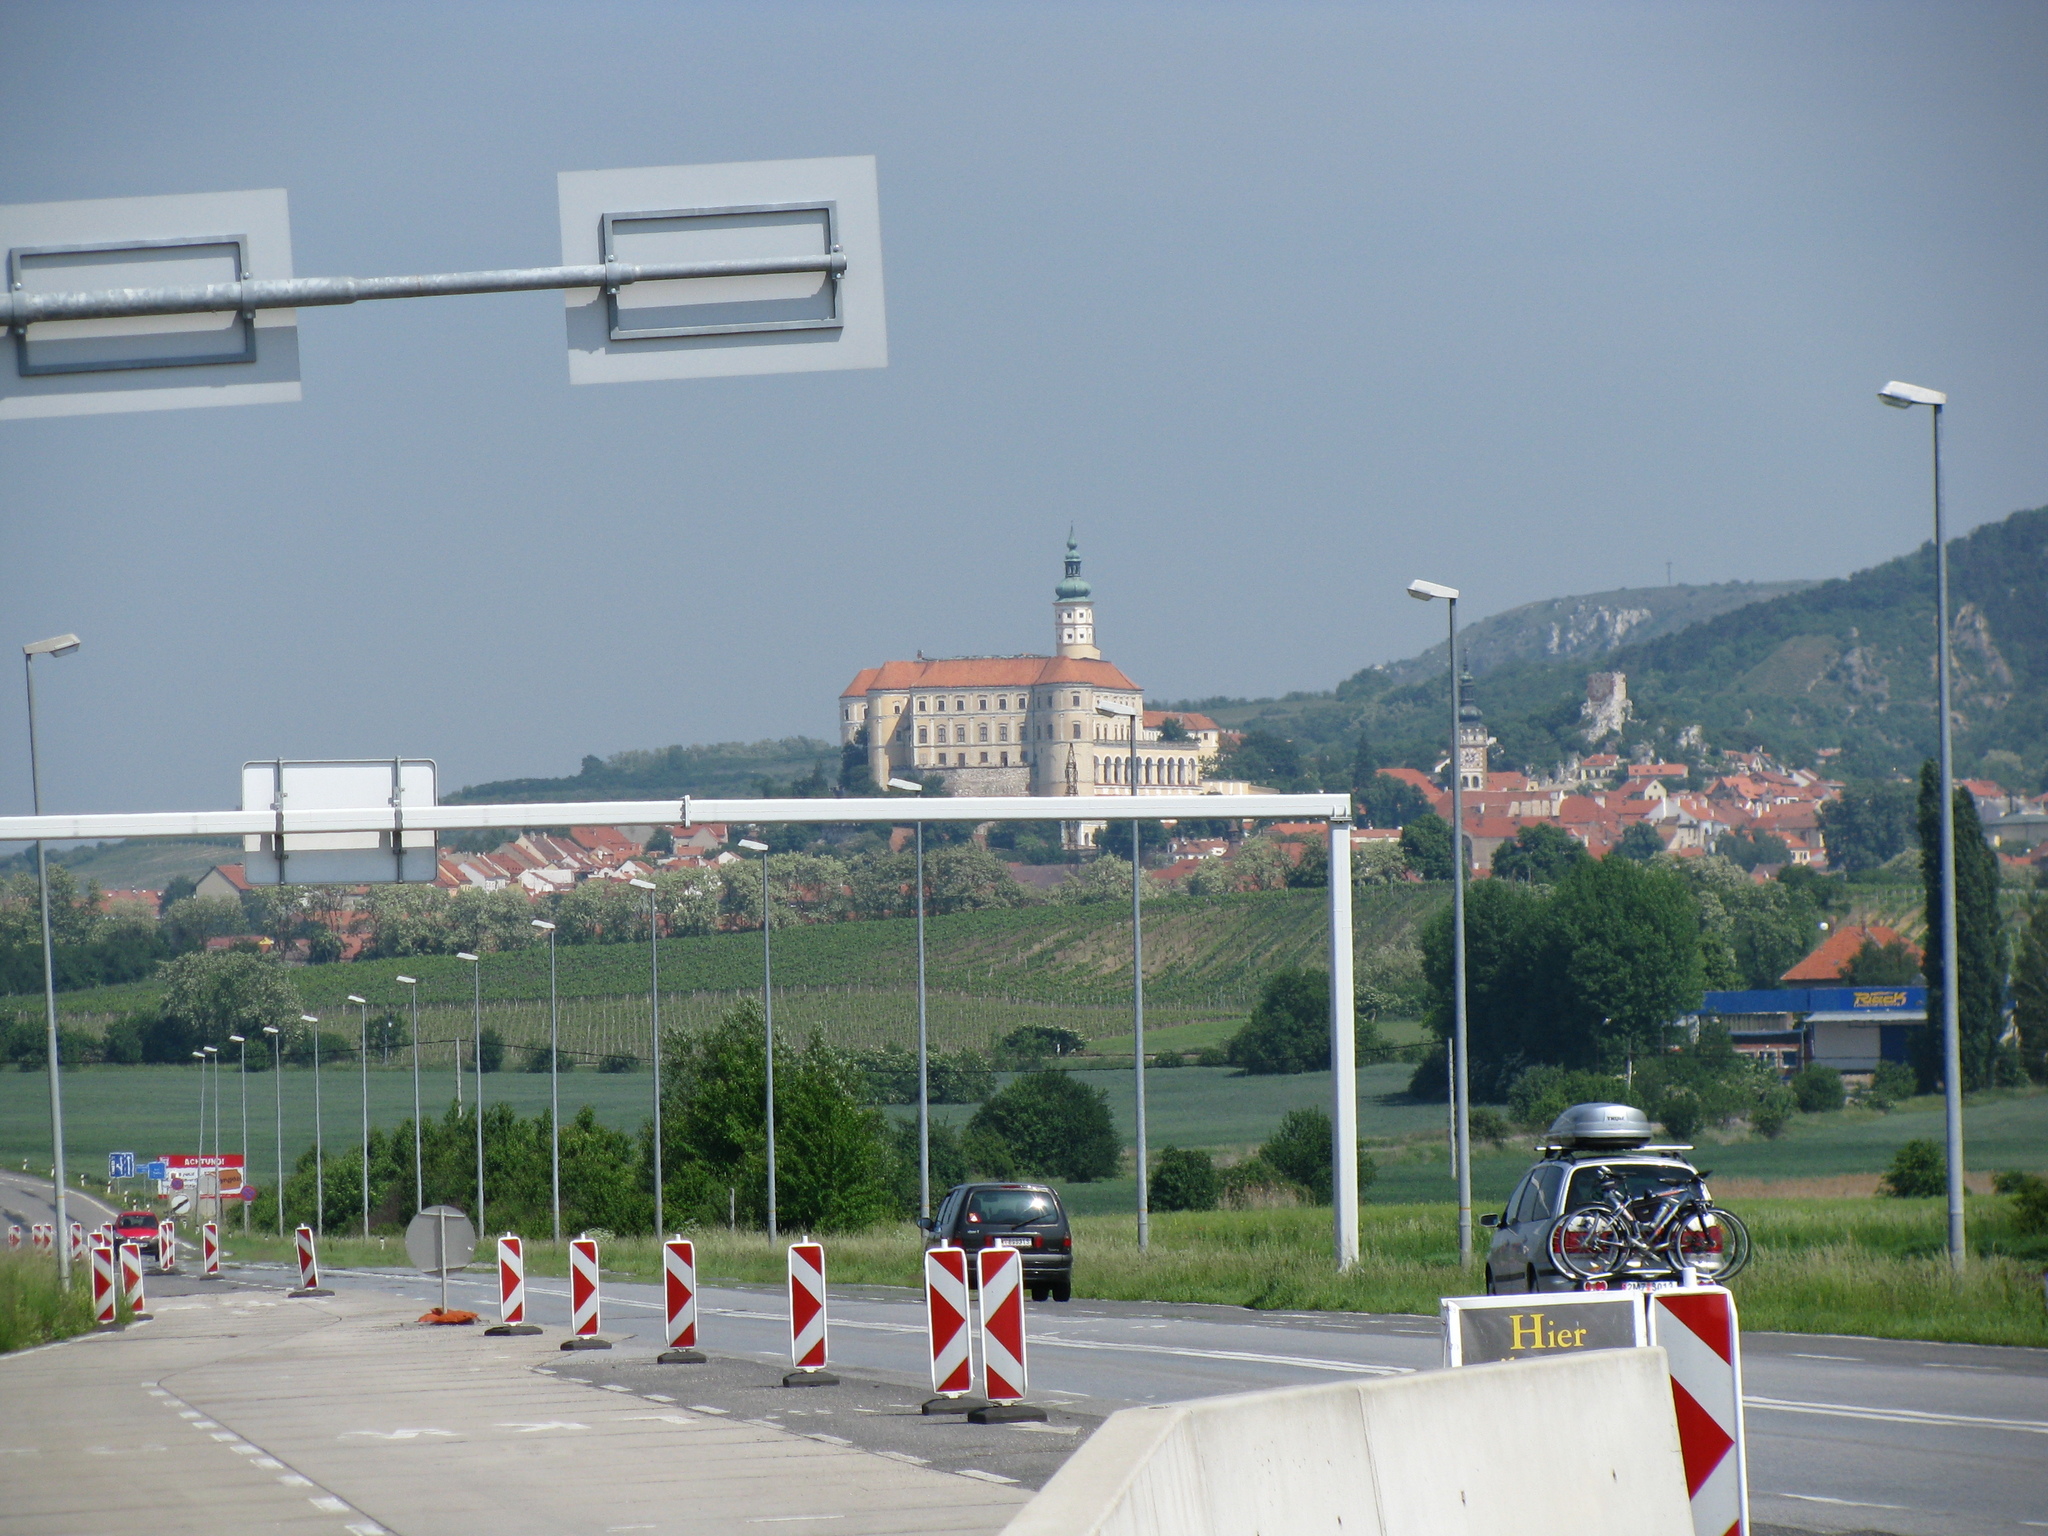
(1816, 1498)
(1801, 1355)
(530, 1429)
(986, 1477)
(1899, 1415)
(1299, 1362)
(784, 1519)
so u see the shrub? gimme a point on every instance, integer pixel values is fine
(1773, 1112)
(1817, 1088)
(537, 1059)
(1289, 1029)
(1918, 1170)
(1487, 1124)
(490, 1050)
(1027, 1047)
(1256, 1185)
(1052, 1125)
(1890, 1083)
(1184, 1180)
(2030, 1199)
(619, 1061)
(1541, 1094)
(1302, 1149)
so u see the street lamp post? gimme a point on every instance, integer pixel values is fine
(768, 1016)
(242, 1074)
(1904, 397)
(58, 645)
(654, 1024)
(277, 1081)
(1461, 1149)
(554, 1090)
(363, 1004)
(476, 977)
(924, 1106)
(1133, 719)
(419, 1172)
(319, 1144)
(200, 1057)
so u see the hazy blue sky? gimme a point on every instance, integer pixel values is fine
(1279, 305)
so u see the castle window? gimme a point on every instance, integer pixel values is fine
(898, 710)
(940, 705)
(1077, 701)
(984, 733)
(921, 737)
(1002, 734)
(982, 703)
(921, 704)
(960, 706)
(1002, 703)
(1006, 759)
(1077, 730)
(984, 757)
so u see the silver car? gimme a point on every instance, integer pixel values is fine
(1521, 1260)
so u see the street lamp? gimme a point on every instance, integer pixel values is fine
(924, 1107)
(476, 976)
(419, 1173)
(212, 1059)
(1904, 397)
(200, 1057)
(554, 1089)
(1132, 718)
(57, 645)
(242, 1073)
(319, 1146)
(277, 1080)
(654, 1017)
(363, 1003)
(1461, 1085)
(768, 1016)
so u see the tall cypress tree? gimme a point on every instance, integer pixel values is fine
(1980, 939)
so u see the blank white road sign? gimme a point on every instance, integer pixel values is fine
(340, 858)
(710, 327)
(148, 362)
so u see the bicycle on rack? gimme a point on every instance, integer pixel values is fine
(1655, 1235)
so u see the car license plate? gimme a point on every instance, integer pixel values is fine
(1014, 1242)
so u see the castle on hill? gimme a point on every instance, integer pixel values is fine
(1057, 725)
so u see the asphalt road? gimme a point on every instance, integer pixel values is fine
(1844, 1434)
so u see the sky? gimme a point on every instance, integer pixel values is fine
(1277, 306)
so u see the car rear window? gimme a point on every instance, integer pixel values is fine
(1011, 1208)
(1636, 1180)
(135, 1219)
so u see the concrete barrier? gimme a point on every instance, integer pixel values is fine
(1585, 1445)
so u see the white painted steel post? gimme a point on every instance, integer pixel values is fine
(1460, 1054)
(364, 1004)
(1343, 1050)
(419, 1173)
(61, 645)
(319, 1140)
(476, 976)
(277, 1086)
(554, 1083)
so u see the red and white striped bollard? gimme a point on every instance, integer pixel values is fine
(679, 1302)
(309, 1265)
(807, 1345)
(167, 1248)
(1005, 1375)
(947, 1326)
(131, 1280)
(13, 1237)
(1697, 1328)
(583, 1296)
(77, 1241)
(102, 1255)
(209, 1250)
(511, 1289)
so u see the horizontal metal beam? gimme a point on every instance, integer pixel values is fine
(22, 308)
(607, 813)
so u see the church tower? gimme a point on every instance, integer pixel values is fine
(1073, 611)
(1471, 739)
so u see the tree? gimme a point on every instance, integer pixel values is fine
(1640, 842)
(1289, 1028)
(1628, 937)
(1385, 801)
(1173, 728)
(1817, 1089)
(1426, 840)
(1508, 992)
(1052, 1126)
(490, 1053)
(224, 993)
(1980, 940)
(1749, 849)
(1184, 1180)
(1872, 822)
(1882, 965)
(1919, 1171)
(2030, 990)
(1302, 1149)
(1028, 1045)
(1542, 853)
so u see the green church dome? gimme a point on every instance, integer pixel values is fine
(1073, 587)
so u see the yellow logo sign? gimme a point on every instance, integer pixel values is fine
(1880, 1000)
(1529, 1332)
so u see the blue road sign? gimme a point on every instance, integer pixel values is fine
(158, 1169)
(120, 1165)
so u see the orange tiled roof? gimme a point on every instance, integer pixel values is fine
(1836, 951)
(987, 672)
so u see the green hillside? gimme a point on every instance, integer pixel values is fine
(721, 768)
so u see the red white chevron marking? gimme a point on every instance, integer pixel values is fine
(209, 1249)
(807, 1306)
(945, 1307)
(511, 1280)
(309, 1263)
(1005, 1378)
(583, 1287)
(679, 1291)
(102, 1283)
(1697, 1328)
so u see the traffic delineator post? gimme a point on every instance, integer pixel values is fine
(167, 1248)
(77, 1241)
(511, 1289)
(1696, 1326)
(679, 1302)
(131, 1281)
(102, 1259)
(209, 1250)
(39, 1236)
(949, 1330)
(583, 1296)
(1005, 1376)
(807, 1349)
(309, 1265)
(13, 1237)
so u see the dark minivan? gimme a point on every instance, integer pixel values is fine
(1027, 1217)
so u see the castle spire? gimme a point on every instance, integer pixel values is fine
(1073, 610)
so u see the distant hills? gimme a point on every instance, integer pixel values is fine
(726, 768)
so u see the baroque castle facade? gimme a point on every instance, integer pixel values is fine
(1056, 726)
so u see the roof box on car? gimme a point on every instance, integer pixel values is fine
(1617, 1126)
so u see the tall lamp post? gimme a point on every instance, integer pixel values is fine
(1133, 719)
(213, 1061)
(767, 1015)
(57, 645)
(319, 1143)
(924, 1102)
(654, 1025)
(363, 1004)
(1904, 397)
(476, 980)
(200, 1057)
(554, 1089)
(277, 1082)
(242, 1073)
(419, 1172)
(1461, 1086)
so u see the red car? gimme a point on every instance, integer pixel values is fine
(139, 1228)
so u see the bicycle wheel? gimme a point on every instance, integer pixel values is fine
(1711, 1242)
(1587, 1245)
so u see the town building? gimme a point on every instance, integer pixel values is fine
(1058, 725)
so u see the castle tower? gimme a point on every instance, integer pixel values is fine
(1073, 611)
(1471, 738)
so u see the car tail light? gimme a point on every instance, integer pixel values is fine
(1067, 1243)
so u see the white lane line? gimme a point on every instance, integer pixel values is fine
(1898, 1415)
(1815, 1498)
(986, 1477)
(785, 1519)
(1299, 1362)
(1802, 1355)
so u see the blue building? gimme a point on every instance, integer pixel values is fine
(1850, 1029)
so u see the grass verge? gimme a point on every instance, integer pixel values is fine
(35, 1307)
(1869, 1267)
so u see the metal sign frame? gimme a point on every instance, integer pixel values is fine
(245, 320)
(611, 222)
